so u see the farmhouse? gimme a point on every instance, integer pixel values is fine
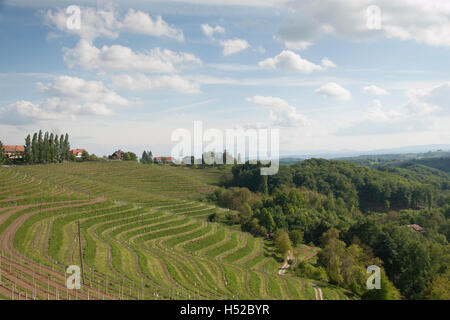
(118, 155)
(164, 160)
(14, 152)
(77, 152)
(416, 227)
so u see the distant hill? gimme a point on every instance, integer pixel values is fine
(380, 155)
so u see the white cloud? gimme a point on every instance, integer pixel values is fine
(290, 61)
(232, 46)
(141, 22)
(117, 57)
(297, 45)
(374, 90)
(335, 91)
(94, 23)
(281, 113)
(209, 30)
(327, 63)
(312, 19)
(107, 23)
(67, 98)
(421, 113)
(141, 82)
(76, 89)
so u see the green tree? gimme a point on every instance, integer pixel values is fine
(282, 242)
(266, 219)
(438, 288)
(85, 156)
(61, 148)
(35, 148)
(2, 154)
(296, 237)
(28, 156)
(66, 147)
(51, 147)
(40, 143)
(387, 290)
(45, 148)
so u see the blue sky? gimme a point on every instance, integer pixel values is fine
(135, 71)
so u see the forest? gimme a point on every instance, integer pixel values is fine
(358, 215)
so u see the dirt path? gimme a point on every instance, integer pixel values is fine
(317, 291)
(285, 265)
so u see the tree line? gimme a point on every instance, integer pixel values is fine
(46, 147)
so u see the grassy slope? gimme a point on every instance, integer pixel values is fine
(156, 233)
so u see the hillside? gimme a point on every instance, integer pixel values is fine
(144, 236)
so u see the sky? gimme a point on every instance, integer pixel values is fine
(328, 74)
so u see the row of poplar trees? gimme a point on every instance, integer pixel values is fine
(45, 148)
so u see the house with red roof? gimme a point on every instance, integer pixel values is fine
(164, 159)
(77, 152)
(14, 152)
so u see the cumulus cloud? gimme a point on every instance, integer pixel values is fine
(141, 82)
(117, 57)
(311, 19)
(290, 61)
(76, 89)
(232, 46)
(374, 90)
(281, 113)
(67, 97)
(107, 23)
(419, 114)
(297, 45)
(209, 30)
(141, 22)
(335, 91)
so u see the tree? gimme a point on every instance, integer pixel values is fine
(2, 154)
(266, 219)
(66, 147)
(129, 156)
(28, 156)
(296, 237)
(85, 156)
(56, 149)
(439, 288)
(45, 148)
(40, 143)
(282, 242)
(35, 149)
(144, 158)
(61, 149)
(51, 146)
(387, 290)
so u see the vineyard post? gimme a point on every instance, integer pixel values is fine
(81, 253)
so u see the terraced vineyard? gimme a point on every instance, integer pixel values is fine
(144, 235)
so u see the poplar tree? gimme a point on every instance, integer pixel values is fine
(34, 149)
(28, 156)
(2, 154)
(39, 147)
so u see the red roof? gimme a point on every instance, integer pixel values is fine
(164, 158)
(416, 227)
(76, 151)
(14, 148)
